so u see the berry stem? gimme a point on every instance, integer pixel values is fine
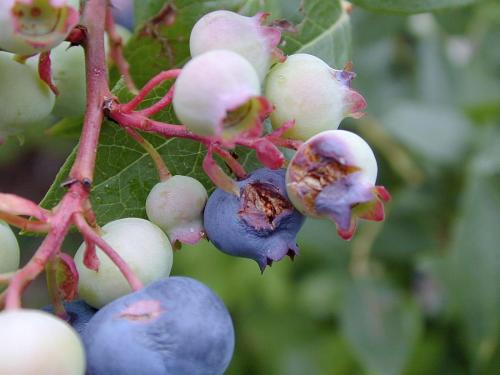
(25, 224)
(116, 52)
(90, 236)
(97, 89)
(162, 169)
(60, 224)
(153, 82)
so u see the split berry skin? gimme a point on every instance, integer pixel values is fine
(175, 326)
(35, 342)
(176, 206)
(33, 26)
(246, 36)
(333, 176)
(218, 94)
(9, 250)
(79, 313)
(260, 224)
(305, 89)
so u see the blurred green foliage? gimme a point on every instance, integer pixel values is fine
(419, 293)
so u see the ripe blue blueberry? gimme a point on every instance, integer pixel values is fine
(174, 326)
(260, 224)
(79, 314)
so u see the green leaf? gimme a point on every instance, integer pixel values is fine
(474, 273)
(436, 133)
(380, 325)
(324, 32)
(412, 6)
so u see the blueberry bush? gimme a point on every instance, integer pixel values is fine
(153, 151)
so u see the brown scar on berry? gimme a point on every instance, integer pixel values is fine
(313, 172)
(142, 311)
(262, 205)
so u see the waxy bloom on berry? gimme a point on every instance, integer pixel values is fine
(32, 26)
(246, 36)
(305, 89)
(218, 94)
(176, 206)
(333, 176)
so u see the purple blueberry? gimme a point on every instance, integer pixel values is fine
(79, 314)
(174, 326)
(123, 13)
(260, 224)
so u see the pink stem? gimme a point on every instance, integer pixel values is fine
(20, 206)
(235, 166)
(159, 105)
(153, 82)
(90, 236)
(45, 71)
(116, 52)
(25, 224)
(97, 89)
(61, 223)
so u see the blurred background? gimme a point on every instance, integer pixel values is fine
(417, 294)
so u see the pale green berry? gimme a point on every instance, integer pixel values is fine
(223, 29)
(141, 244)
(176, 206)
(9, 249)
(25, 99)
(217, 93)
(35, 342)
(305, 89)
(33, 26)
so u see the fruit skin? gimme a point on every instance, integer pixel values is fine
(333, 176)
(261, 224)
(35, 342)
(33, 26)
(9, 249)
(305, 89)
(246, 36)
(217, 93)
(176, 206)
(141, 244)
(174, 326)
(123, 13)
(79, 314)
(25, 99)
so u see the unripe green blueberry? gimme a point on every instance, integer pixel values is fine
(176, 206)
(217, 93)
(9, 249)
(141, 244)
(305, 89)
(246, 36)
(25, 99)
(33, 26)
(333, 175)
(35, 342)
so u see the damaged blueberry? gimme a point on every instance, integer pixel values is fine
(261, 223)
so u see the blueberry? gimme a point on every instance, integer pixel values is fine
(260, 224)
(174, 326)
(79, 314)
